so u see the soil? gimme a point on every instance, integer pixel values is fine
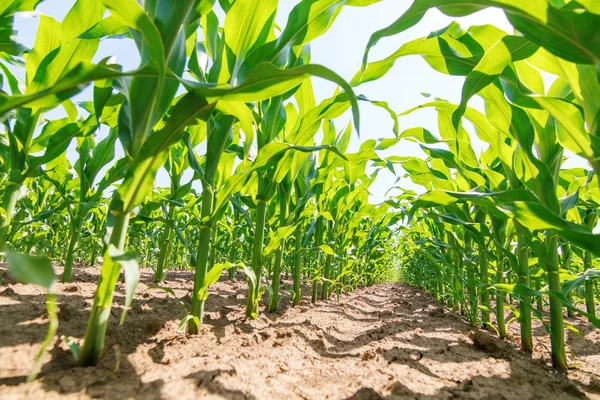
(388, 341)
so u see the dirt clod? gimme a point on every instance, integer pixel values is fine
(66, 312)
(366, 394)
(153, 325)
(399, 389)
(283, 333)
(484, 341)
(68, 384)
(368, 355)
(437, 312)
(8, 292)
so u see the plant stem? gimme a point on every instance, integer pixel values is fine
(165, 243)
(93, 253)
(95, 246)
(201, 261)
(525, 303)
(318, 238)
(276, 280)
(9, 202)
(485, 293)
(589, 298)
(216, 144)
(297, 266)
(471, 288)
(233, 251)
(483, 274)
(325, 287)
(500, 298)
(456, 271)
(93, 343)
(566, 263)
(557, 333)
(591, 220)
(253, 299)
(73, 243)
(213, 250)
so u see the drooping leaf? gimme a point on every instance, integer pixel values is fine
(29, 269)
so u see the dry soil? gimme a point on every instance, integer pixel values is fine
(388, 341)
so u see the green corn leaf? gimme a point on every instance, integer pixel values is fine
(129, 13)
(247, 24)
(102, 93)
(9, 42)
(35, 270)
(568, 34)
(73, 346)
(251, 275)
(13, 83)
(103, 154)
(71, 84)
(268, 81)
(572, 134)
(308, 20)
(62, 51)
(420, 135)
(59, 141)
(108, 27)
(537, 217)
(185, 321)
(10, 7)
(507, 50)
(277, 238)
(149, 98)
(519, 289)
(131, 276)
(449, 51)
(327, 250)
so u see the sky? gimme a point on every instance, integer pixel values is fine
(341, 49)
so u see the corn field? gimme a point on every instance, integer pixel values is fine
(262, 186)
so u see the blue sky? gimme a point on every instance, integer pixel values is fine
(341, 49)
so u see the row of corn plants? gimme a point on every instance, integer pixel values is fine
(513, 220)
(260, 178)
